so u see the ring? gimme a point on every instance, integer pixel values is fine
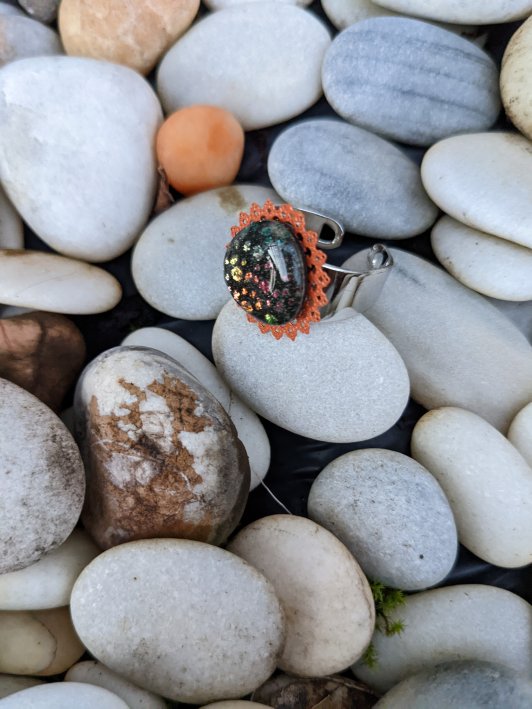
(276, 271)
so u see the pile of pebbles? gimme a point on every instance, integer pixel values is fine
(193, 511)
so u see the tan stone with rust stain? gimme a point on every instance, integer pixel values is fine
(162, 456)
(132, 33)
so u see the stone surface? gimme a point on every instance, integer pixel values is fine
(491, 266)
(447, 624)
(48, 582)
(459, 351)
(480, 12)
(222, 63)
(136, 34)
(519, 313)
(43, 10)
(177, 264)
(352, 387)
(94, 673)
(329, 608)
(40, 643)
(42, 479)
(42, 353)
(439, 84)
(248, 425)
(390, 513)
(473, 178)
(64, 695)
(475, 685)
(11, 229)
(44, 281)
(516, 83)
(80, 168)
(23, 37)
(161, 455)
(520, 433)
(487, 481)
(9, 684)
(223, 4)
(226, 626)
(348, 173)
(9, 9)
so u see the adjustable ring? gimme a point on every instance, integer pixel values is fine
(275, 268)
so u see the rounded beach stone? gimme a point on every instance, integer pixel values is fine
(11, 228)
(492, 504)
(520, 433)
(473, 684)
(9, 684)
(248, 425)
(473, 178)
(200, 148)
(97, 674)
(519, 313)
(48, 582)
(43, 10)
(485, 263)
(64, 695)
(8, 9)
(390, 513)
(479, 12)
(322, 588)
(439, 83)
(340, 395)
(35, 279)
(447, 624)
(80, 168)
(317, 165)
(221, 61)
(161, 455)
(223, 4)
(135, 34)
(516, 82)
(227, 627)
(452, 341)
(42, 479)
(40, 643)
(23, 37)
(177, 264)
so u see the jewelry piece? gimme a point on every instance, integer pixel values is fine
(275, 270)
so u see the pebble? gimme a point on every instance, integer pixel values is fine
(520, 433)
(479, 12)
(162, 456)
(81, 172)
(44, 281)
(492, 503)
(200, 148)
(48, 582)
(390, 513)
(222, 63)
(177, 264)
(473, 178)
(463, 622)
(23, 37)
(330, 614)
(61, 695)
(9, 684)
(11, 228)
(43, 10)
(439, 84)
(459, 351)
(136, 34)
(41, 643)
(7, 9)
(223, 4)
(516, 83)
(316, 164)
(248, 425)
(186, 620)
(475, 685)
(96, 674)
(353, 385)
(519, 313)
(43, 481)
(491, 266)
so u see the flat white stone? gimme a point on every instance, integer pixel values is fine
(223, 4)
(43, 281)
(329, 607)
(348, 173)
(491, 266)
(450, 623)
(42, 479)
(520, 433)
(484, 180)
(48, 582)
(487, 481)
(516, 82)
(23, 37)
(77, 154)
(391, 514)
(177, 264)
(64, 695)
(227, 61)
(9, 684)
(352, 387)
(186, 620)
(459, 351)
(11, 228)
(95, 673)
(249, 428)
(478, 12)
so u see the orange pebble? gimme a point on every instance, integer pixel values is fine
(200, 148)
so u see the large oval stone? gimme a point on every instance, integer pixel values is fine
(480, 12)
(265, 271)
